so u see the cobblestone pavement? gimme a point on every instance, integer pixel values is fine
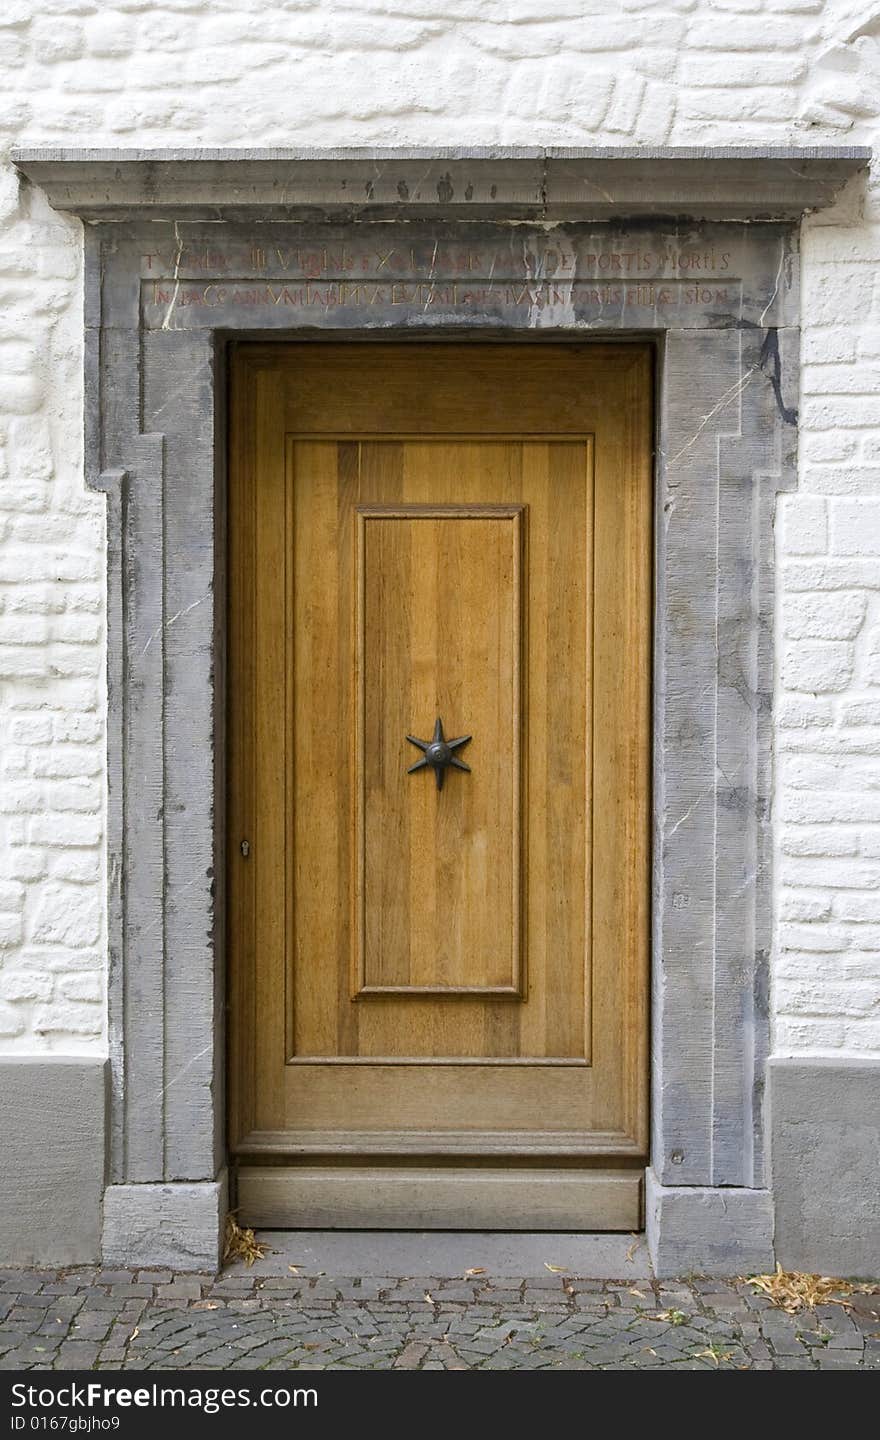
(141, 1320)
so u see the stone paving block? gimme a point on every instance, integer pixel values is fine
(847, 1340)
(24, 1358)
(27, 1282)
(180, 1290)
(77, 1355)
(839, 1359)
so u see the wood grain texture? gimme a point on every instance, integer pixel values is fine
(403, 1198)
(438, 892)
(408, 961)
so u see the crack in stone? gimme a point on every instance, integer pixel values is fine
(726, 399)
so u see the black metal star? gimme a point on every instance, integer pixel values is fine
(438, 753)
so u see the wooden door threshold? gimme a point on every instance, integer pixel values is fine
(576, 1144)
(427, 1198)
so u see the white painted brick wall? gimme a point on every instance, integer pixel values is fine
(324, 72)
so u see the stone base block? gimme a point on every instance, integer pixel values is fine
(825, 1157)
(176, 1226)
(52, 1171)
(708, 1230)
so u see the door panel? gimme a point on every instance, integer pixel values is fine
(438, 866)
(424, 533)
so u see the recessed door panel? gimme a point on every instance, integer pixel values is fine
(438, 889)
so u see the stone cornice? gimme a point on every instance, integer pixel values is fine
(729, 183)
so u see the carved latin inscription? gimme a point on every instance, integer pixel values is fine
(526, 278)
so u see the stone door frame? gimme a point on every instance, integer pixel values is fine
(186, 251)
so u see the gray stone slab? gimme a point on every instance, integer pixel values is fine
(708, 1230)
(825, 1149)
(523, 1256)
(179, 1225)
(52, 1140)
(598, 183)
(188, 724)
(630, 275)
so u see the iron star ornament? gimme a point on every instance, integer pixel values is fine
(438, 753)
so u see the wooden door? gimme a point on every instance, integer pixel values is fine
(439, 976)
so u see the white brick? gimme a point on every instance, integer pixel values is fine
(855, 527)
(60, 961)
(824, 840)
(828, 344)
(25, 985)
(846, 412)
(11, 1022)
(88, 986)
(35, 563)
(828, 873)
(831, 575)
(861, 379)
(819, 939)
(56, 39)
(801, 807)
(10, 931)
(25, 664)
(762, 35)
(20, 797)
(70, 761)
(31, 729)
(81, 795)
(804, 525)
(843, 479)
(720, 72)
(64, 694)
(67, 915)
(797, 713)
(23, 630)
(872, 658)
(826, 617)
(77, 629)
(828, 445)
(857, 907)
(769, 103)
(109, 34)
(865, 1036)
(56, 830)
(24, 864)
(83, 867)
(794, 1036)
(832, 296)
(65, 1018)
(832, 742)
(11, 895)
(800, 906)
(811, 771)
(822, 997)
(818, 665)
(78, 729)
(855, 965)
